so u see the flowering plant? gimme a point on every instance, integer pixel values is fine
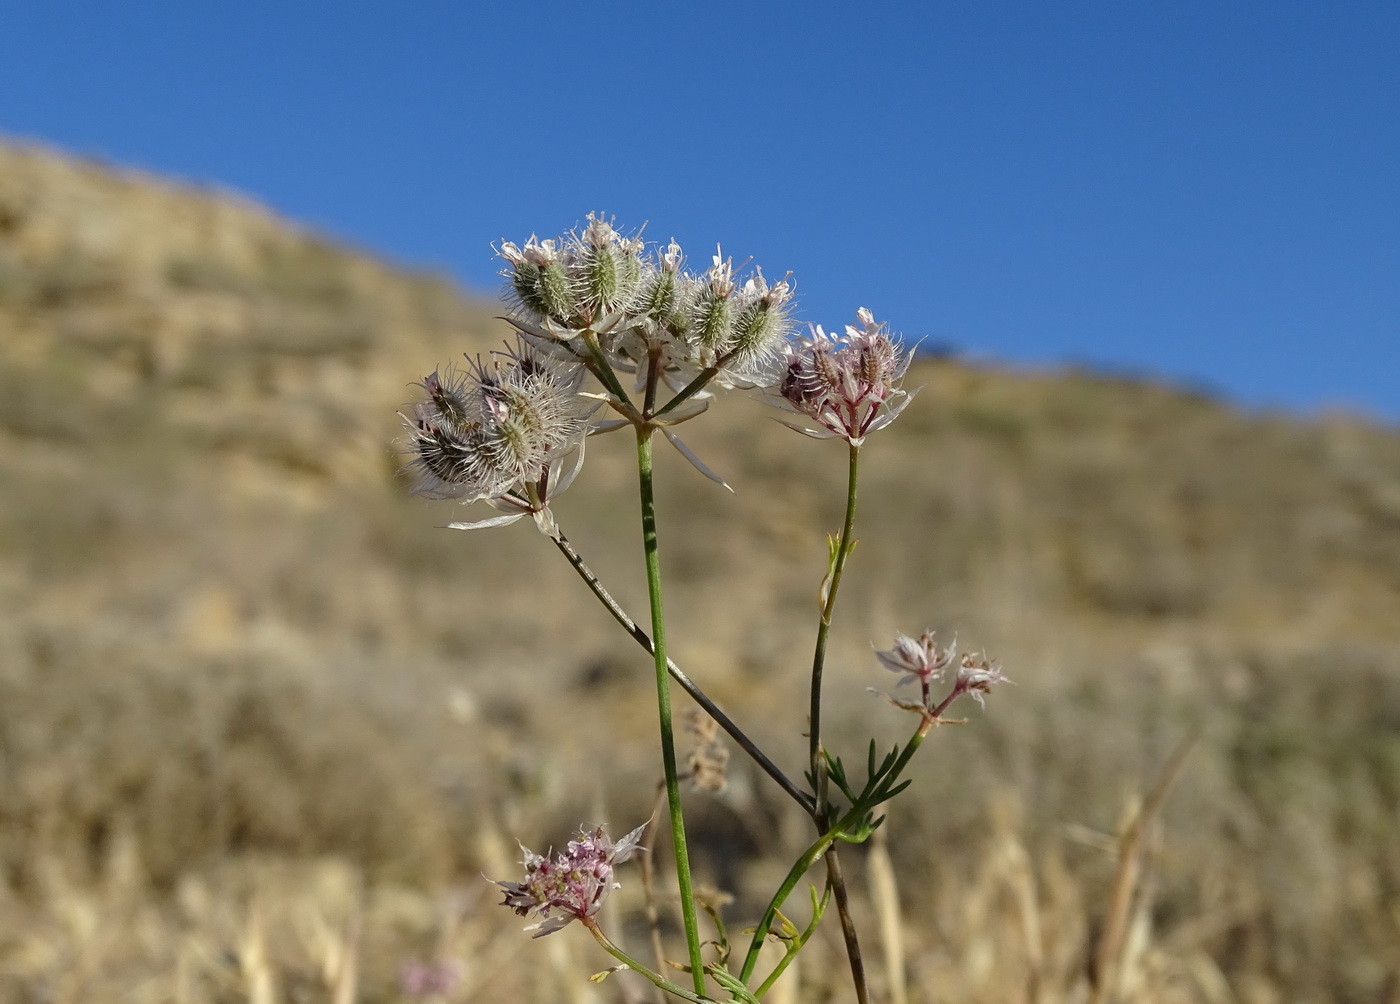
(590, 308)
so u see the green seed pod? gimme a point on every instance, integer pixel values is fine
(759, 327)
(712, 321)
(599, 278)
(658, 297)
(555, 294)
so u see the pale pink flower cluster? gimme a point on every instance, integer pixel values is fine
(977, 675)
(845, 385)
(918, 659)
(573, 885)
(921, 659)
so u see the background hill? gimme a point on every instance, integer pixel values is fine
(260, 716)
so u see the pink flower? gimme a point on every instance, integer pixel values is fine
(977, 675)
(845, 384)
(573, 885)
(920, 660)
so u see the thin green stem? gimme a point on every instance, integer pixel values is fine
(663, 707)
(687, 684)
(816, 757)
(631, 963)
(818, 909)
(602, 370)
(806, 861)
(824, 842)
(838, 566)
(696, 385)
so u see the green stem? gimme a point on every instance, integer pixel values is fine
(696, 385)
(824, 630)
(602, 370)
(687, 684)
(631, 963)
(817, 759)
(663, 706)
(824, 843)
(818, 908)
(807, 860)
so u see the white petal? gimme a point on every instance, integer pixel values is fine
(629, 844)
(686, 410)
(695, 461)
(560, 482)
(483, 524)
(611, 425)
(814, 433)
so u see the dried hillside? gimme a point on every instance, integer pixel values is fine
(228, 635)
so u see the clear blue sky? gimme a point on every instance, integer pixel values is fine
(1208, 191)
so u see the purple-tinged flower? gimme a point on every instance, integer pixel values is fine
(845, 384)
(573, 885)
(919, 659)
(977, 675)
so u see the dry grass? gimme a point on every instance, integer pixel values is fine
(263, 727)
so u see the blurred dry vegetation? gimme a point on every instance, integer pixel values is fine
(263, 725)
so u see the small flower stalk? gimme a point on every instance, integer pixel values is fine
(615, 333)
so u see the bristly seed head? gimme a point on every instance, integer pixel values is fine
(645, 310)
(499, 429)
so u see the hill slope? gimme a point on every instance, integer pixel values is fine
(229, 631)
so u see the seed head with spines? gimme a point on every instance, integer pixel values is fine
(499, 430)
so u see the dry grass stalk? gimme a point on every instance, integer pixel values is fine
(884, 894)
(258, 979)
(1128, 897)
(1014, 865)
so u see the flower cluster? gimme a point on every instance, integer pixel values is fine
(921, 659)
(573, 885)
(503, 431)
(509, 431)
(643, 305)
(845, 384)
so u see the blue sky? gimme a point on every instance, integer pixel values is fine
(1205, 191)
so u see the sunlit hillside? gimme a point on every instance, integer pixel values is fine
(264, 725)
